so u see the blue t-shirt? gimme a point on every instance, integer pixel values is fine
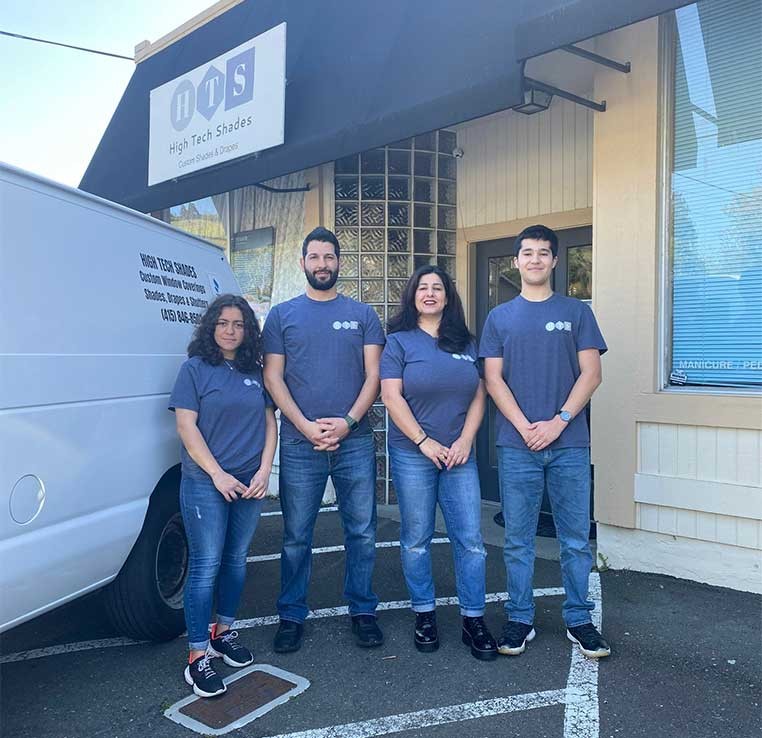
(231, 415)
(538, 342)
(437, 385)
(323, 344)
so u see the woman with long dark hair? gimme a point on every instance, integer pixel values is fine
(431, 387)
(226, 422)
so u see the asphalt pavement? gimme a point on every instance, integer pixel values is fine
(686, 661)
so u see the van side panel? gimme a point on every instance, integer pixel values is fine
(97, 307)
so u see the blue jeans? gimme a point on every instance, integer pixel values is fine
(523, 475)
(219, 534)
(420, 486)
(304, 473)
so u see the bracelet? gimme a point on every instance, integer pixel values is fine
(425, 438)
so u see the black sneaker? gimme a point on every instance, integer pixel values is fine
(289, 637)
(233, 654)
(426, 638)
(366, 630)
(200, 675)
(589, 640)
(515, 638)
(476, 635)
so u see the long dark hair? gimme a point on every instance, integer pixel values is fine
(249, 353)
(453, 331)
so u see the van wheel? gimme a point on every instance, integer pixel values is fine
(145, 601)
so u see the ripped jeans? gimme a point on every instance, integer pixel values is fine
(420, 486)
(219, 534)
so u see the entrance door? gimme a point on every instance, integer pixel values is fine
(496, 282)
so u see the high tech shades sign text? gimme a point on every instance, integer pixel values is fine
(231, 106)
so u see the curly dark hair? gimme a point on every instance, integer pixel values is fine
(249, 354)
(453, 331)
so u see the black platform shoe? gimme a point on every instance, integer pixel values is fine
(476, 635)
(426, 637)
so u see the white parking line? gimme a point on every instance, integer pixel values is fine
(333, 549)
(271, 513)
(581, 715)
(580, 698)
(333, 612)
(328, 612)
(436, 716)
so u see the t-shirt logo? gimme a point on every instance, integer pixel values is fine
(248, 382)
(558, 325)
(346, 325)
(464, 357)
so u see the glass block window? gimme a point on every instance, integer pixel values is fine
(395, 210)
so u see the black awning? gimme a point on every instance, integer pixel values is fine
(577, 20)
(360, 75)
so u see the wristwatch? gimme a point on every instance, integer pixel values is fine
(352, 423)
(566, 416)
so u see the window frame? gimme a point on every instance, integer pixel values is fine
(667, 55)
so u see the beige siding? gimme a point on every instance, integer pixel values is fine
(700, 482)
(515, 166)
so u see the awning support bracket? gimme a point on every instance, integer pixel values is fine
(543, 87)
(624, 68)
(279, 190)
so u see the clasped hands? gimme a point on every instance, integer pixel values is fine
(231, 489)
(444, 457)
(325, 434)
(541, 434)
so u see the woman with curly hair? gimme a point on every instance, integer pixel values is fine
(431, 386)
(226, 422)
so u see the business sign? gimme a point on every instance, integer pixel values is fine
(229, 107)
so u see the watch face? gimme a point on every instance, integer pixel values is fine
(565, 415)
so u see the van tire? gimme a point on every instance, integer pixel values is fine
(145, 601)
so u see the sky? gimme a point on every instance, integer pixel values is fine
(56, 102)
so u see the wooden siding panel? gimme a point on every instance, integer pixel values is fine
(649, 449)
(668, 450)
(706, 526)
(727, 461)
(748, 457)
(687, 447)
(706, 453)
(648, 517)
(747, 533)
(686, 523)
(516, 166)
(717, 469)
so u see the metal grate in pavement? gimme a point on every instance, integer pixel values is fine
(251, 693)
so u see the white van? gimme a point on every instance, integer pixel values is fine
(97, 305)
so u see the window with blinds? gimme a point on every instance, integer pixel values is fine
(716, 195)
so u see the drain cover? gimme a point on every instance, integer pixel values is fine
(252, 692)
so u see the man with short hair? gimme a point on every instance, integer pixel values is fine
(542, 356)
(322, 353)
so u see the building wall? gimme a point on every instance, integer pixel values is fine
(516, 166)
(677, 473)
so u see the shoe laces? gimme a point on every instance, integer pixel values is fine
(477, 626)
(587, 630)
(425, 621)
(204, 664)
(513, 629)
(229, 636)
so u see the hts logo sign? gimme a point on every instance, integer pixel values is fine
(235, 87)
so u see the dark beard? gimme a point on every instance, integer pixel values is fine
(322, 286)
